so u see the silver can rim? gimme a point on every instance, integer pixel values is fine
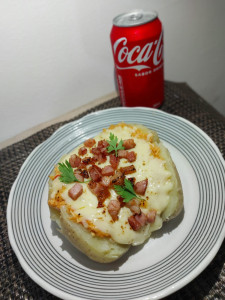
(134, 17)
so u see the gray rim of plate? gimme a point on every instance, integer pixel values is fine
(56, 274)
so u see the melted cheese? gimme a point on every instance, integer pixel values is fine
(148, 164)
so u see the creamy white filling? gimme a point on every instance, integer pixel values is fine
(157, 194)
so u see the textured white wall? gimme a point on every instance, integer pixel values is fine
(55, 55)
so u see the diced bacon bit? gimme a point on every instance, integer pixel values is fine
(75, 191)
(137, 221)
(129, 144)
(87, 160)
(134, 205)
(94, 187)
(141, 186)
(122, 153)
(118, 178)
(106, 181)
(134, 224)
(114, 161)
(151, 215)
(141, 218)
(99, 154)
(78, 176)
(99, 191)
(82, 151)
(132, 180)
(82, 166)
(102, 144)
(74, 161)
(128, 170)
(102, 147)
(89, 143)
(104, 151)
(101, 158)
(131, 156)
(95, 150)
(108, 171)
(95, 173)
(94, 160)
(104, 194)
(84, 173)
(114, 208)
(122, 203)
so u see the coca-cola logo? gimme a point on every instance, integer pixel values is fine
(138, 57)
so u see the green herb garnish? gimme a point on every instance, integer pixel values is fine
(127, 191)
(67, 175)
(113, 143)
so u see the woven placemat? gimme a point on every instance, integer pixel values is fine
(181, 100)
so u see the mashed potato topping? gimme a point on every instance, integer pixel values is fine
(147, 164)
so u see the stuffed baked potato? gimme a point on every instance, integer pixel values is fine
(114, 190)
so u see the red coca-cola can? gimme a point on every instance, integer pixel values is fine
(137, 45)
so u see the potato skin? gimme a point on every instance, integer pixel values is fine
(176, 203)
(104, 249)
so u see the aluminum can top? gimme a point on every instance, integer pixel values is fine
(134, 18)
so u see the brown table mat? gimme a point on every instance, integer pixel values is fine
(180, 100)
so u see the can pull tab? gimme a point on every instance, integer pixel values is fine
(136, 16)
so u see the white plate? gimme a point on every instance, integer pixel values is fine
(174, 256)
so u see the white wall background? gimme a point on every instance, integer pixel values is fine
(55, 55)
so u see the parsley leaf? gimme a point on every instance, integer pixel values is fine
(127, 191)
(67, 175)
(113, 143)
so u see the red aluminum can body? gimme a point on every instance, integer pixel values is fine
(137, 45)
